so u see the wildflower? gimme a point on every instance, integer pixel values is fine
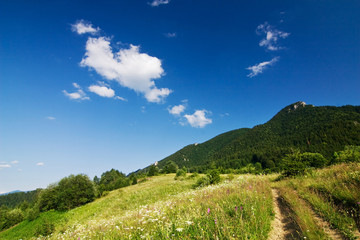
(179, 229)
(215, 221)
(188, 222)
(208, 211)
(358, 203)
(236, 208)
(241, 208)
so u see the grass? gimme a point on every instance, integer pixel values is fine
(333, 193)
(164, 208)
(240, 207)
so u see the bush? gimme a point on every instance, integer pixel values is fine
(202, 182)
(296, 163)
(180, 173)
(32, 213)
(214, 176)
(45, 229)
(13, 217)
(349, 154)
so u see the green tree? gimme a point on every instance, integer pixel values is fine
(153, 171)
(170, 167)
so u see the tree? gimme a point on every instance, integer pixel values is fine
(170, 167)
(70, 192)
(153, 170)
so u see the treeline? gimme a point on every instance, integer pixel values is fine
(14, 199)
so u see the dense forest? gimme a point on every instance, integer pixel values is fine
(298, 126)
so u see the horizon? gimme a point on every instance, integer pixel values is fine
(88, 87)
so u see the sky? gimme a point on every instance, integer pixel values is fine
(87, 86)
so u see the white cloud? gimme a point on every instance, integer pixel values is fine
(40, 164)
(128, 67)
(78, 95)
(121, 98)
(157, 95)
(50, 118)
(102, 91)
(5, 166)
(272, 36)
(259, 68)
(14, 162)
(198, 119)
(177, 110)
(82, 27)
(156, 3)
(170, 35)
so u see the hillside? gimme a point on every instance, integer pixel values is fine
(320, 205)
(298, 126)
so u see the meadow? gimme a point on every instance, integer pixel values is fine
(321, 204)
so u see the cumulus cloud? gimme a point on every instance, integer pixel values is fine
(50, 118)
(78, 95)
(5, 166)
(128, 67)
(156, 3)
(259, 68)
(177, 110)
(40, 164)
(198, 119)
(170, 35)
(82, 27)
(272, 36)
(102, 91)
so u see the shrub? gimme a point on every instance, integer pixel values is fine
(296, 163)
(214, 176)
(180, 173)
(349, 154)
(44, 229)
(202, 182)
(32, 213)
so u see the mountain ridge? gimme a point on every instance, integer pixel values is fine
(309, 128)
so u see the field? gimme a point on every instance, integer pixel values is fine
(322, 204)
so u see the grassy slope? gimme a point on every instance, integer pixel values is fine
(333, 193)
(162, 208)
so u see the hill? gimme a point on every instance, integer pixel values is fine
(299, 126)
(240, 207)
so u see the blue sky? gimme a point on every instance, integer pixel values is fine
(88, 86)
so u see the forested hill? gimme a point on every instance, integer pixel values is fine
(308, 128)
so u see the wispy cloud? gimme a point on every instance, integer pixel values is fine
(120, 98)
(82, 27)
(14, 162)
(177, 110)
(40, 164)
(129, 67)
(259, 68)
(272, 36)
(5, 166)
(198, 119)
(156, 3)
(78, 95)
(50, 118)
(170, 35)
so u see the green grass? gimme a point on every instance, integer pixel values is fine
(333, 193)
(164, 208)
